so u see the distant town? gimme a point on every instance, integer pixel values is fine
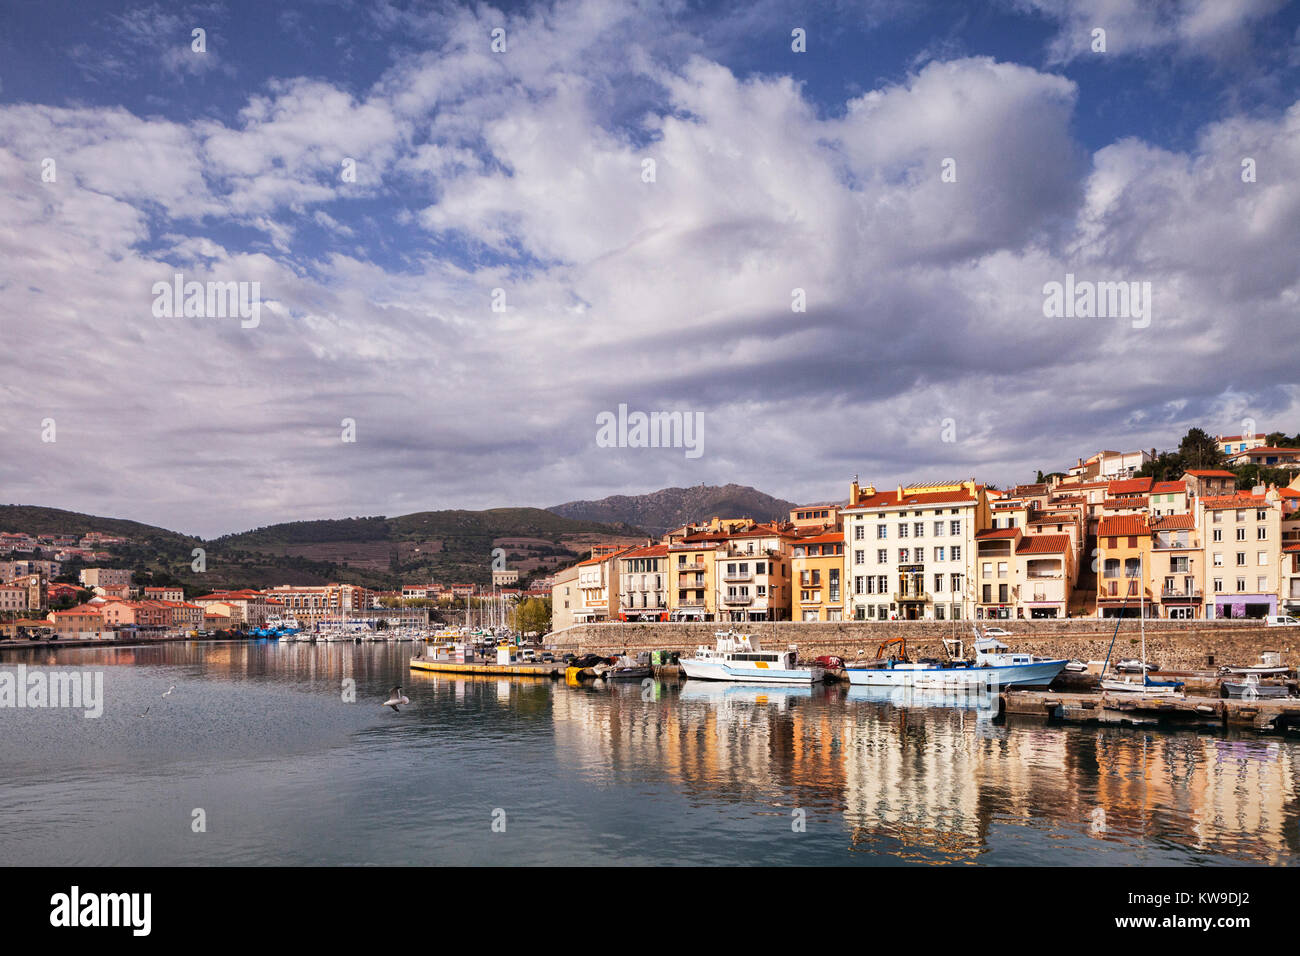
(1209, 531)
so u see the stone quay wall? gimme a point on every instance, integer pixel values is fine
(1174, 645)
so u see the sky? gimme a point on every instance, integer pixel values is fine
(824, 231)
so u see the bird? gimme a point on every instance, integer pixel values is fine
(169, 690)
(146, 710)
(395, 697)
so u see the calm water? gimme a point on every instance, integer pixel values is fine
(258, 736)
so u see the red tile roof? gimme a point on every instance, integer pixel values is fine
(834, 537)
(1044, 544)
(647, 551)
(1168, 487)
(1173, 523)
(1121, 525)
(1209, 473)
(1113, 504)
(889, 499)
(1129, 486)
(996, 533)
(1232, 501)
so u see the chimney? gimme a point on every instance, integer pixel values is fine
(855, 492)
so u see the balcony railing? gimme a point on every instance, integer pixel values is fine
(739, 576)
(1168, 593)
(914, 596)
(697, 566)
(737, 599)
(693, 602)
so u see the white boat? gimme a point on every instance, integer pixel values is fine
(993, 667)
(1142, 685)
(738, 657)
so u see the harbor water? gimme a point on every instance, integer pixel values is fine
(259, 756)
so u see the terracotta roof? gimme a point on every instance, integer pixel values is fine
(1264, 449)
(1167, 487)
(835, 537)
(1232, 501)
(1114, 504)
(648, 551)
(1121, 525)
(1173, 523)
(996, 533)
(1129, 486)
(1209, 473)
(890, 499)
(1044, 544)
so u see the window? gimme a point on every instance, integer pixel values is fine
(1218, 517)
(1002, 569)
(859, 532)
(986, 569)
(882, 556)
(919, 555)
(938, 554)
(859, 556)
(882, 531)
(902, 529)
(903, 555)
(1240, 515)
(938, 582)
(1261, 584)
(1261, 534)
(1262, 559)
(918, 529)
(1218, 534)
(1241, 558)
(857, 584)
(834, 584)
(954, 527)
(1241, 534)
(1241, 585)
(1218, 585)
(956, 552)
(1261, 515)
(1218, 559)
(954, 583)
(938, 529)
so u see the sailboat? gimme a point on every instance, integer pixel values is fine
(1128, 685)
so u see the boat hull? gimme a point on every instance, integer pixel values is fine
(1037, 674)
(721, 671)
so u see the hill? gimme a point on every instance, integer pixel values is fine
(660, 511)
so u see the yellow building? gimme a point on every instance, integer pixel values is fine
(693, 577)
(1124, 566)
(817, 577)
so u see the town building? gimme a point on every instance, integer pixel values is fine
(643, 584)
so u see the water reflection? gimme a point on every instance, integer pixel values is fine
(709, 772)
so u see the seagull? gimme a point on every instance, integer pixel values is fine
(395, 697)
(169, 690)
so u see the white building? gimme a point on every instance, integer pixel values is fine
(910, 552)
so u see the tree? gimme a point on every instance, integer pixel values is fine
(1167, 466)
(534, 614)
(1198, 449)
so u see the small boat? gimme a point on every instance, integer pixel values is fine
(1146, 686)
(738, 657)
(1256, 671)
(1251, 689)
(630, 668)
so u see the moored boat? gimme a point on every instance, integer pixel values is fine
(994, 666)
(740, 658)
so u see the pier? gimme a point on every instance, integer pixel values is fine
(1135, 710)
(483, 668)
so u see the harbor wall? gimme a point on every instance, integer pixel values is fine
(1175, 645)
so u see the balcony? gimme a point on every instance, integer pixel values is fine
(918, 597)
(1194, 594)
(693, 602)
(739, 576)
(738, 599)
(697, 566)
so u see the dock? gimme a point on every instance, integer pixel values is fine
(483, 668)
(1134, 710)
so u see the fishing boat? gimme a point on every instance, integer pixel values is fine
(1270, 665)
(994, 666)
(738, 657)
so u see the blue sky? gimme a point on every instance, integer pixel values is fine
(520, 171)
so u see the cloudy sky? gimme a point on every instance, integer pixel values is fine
(645, 184)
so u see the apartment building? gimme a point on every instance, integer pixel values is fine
(172, 593)
(598, 586)
(643, 584)
(910, 552)
(1231, 444)
(13, 598)
(1124, 566)
(693, 576)
(1244, 553)
(564, 598)
(817, 573)
(1177, 566)
(313, 604)
(244, 606)
(105, 577)
(1046, 572)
